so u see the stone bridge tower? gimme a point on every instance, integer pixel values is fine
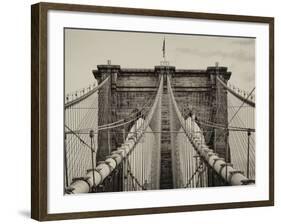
(196, 92)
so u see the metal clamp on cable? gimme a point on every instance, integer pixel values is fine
(248, 182)
(69, 190)
(232, 173)
(100, 162)
(113, 158)
(97, 171)
(224, 165)
(126, 144)
(120, 154)
(113, 152)
(89, 170)
(100, 188)
(218, 159)
(108, 178)
(132, 138)
(108, 163)
(85, 179)
(211, 153)
(205, 149)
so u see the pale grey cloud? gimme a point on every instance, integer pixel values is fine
(236, 54)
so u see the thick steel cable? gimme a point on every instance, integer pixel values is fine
(238, 177)
(145, 123)
(86, 95)
(246, 100)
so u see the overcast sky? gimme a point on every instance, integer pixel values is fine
(85, 49)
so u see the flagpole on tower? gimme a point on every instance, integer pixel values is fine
(164, 62)
(164, 49)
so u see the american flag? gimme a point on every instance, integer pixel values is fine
(163, 48)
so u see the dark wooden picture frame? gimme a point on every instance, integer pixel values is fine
(39, 106)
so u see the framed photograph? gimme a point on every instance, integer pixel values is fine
(139, 111)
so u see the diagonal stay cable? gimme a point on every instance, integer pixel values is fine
(133, 177)
(109, 127)
(241, 105)
(219, 126)
(237, 111)
(144, 108)
(81, 140)
(193, 175)
(200, 173)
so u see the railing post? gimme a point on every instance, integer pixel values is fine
(248, 154)
(201, 172)
(127, 177)
(91, 134)
(200, 162)
(226, 154)
(124, 133)
(109, 140)
(215, 138)
(124, 176)
(196, 170)
(65, 162)
(192, 124)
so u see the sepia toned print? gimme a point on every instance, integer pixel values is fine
(152, 111)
